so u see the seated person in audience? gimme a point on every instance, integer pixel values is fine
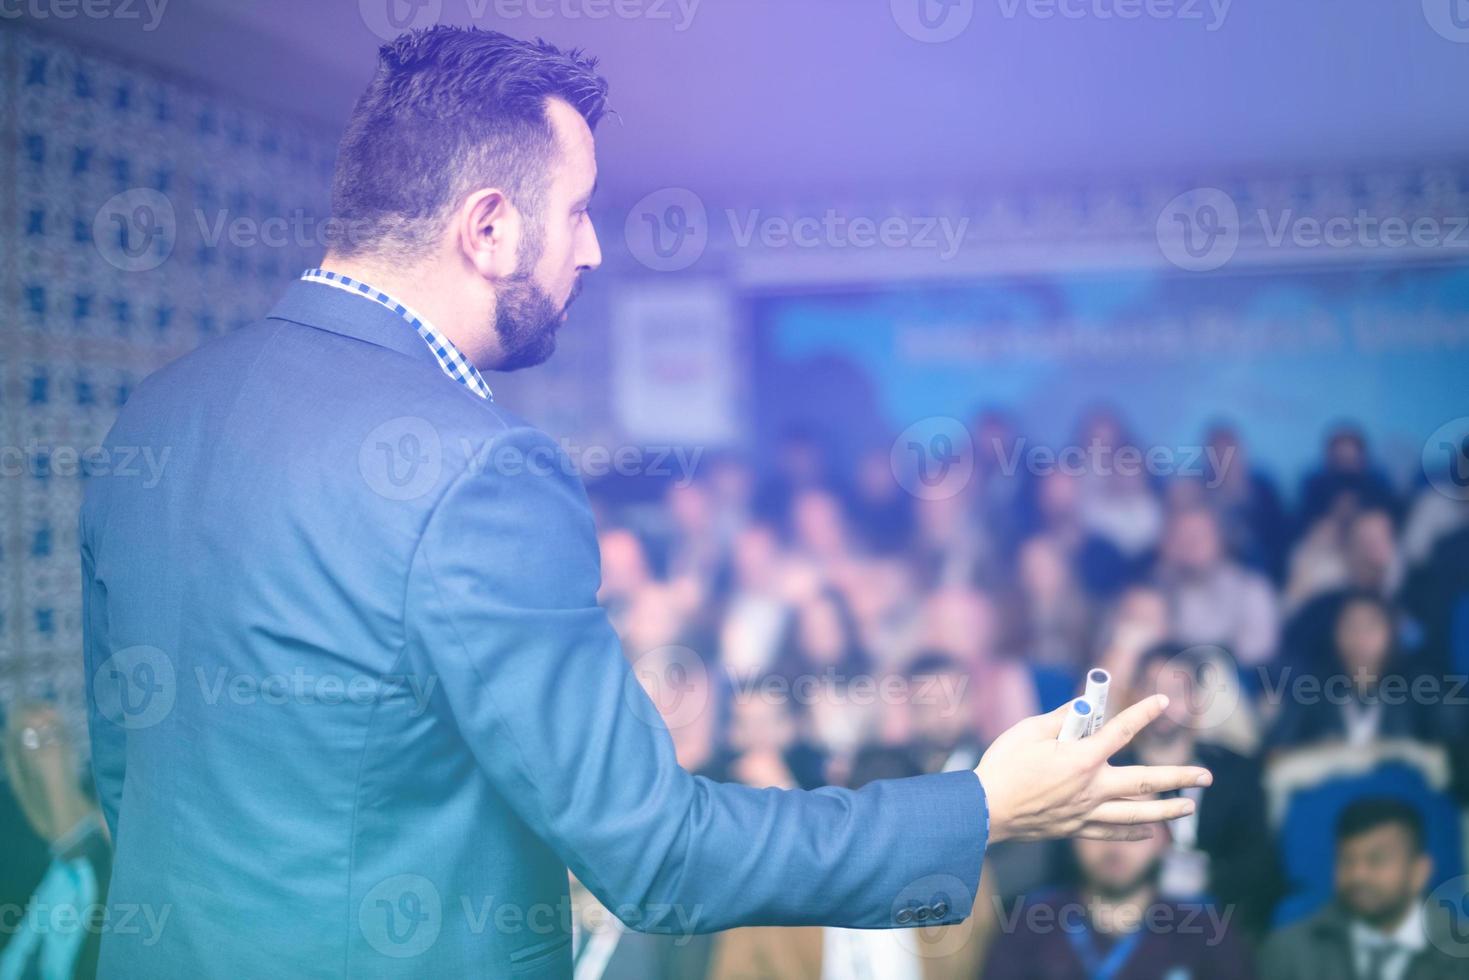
(822, 640)
(1255, 525)
(817, 953)
(1052, 505)
(1222, 851)
(1118, 501)
(1137, 622)
(1346, 471)
(962, 622)
(767, 746)
(882, 509)
(1213, 599)
(625, 573)
(58, 935)
(940, 726)
(1369, 692)
(1434, 515)
(1438, 596)
(1379, 927)
(756, 614)
(1048, 617)
(1369, 561)
(1116, 924)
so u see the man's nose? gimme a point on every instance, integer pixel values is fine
(589, 251)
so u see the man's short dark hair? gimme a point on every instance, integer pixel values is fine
(928, 662)
(1363, 816)
(450, 110)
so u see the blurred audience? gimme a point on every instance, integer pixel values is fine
(831, 628)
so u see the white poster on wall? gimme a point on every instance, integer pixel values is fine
(674, 372)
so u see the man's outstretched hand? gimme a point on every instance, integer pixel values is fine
(1038, 788)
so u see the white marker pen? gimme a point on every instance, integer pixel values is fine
(1075, 725)
(1097, 683)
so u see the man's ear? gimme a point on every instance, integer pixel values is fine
(487, 230)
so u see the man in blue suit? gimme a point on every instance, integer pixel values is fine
(355, 709)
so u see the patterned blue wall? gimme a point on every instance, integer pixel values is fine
(120, 187)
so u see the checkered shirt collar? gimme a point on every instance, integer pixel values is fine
(454, 363)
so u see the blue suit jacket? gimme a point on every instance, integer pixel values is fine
(355, 709)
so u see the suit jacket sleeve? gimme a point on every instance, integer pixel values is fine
(502, 602)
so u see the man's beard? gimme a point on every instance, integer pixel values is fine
(525, 323)
(1116, 891)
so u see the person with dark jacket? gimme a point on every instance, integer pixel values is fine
(1117, 923)
(1367, 693)
(1223, 850)
(1379, 927)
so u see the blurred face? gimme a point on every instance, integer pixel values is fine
(689, 507)
(875, 477)
(1193, 542)
(1058, 495)
(818, 522)
(531, 304)
(1371, 544)
(1379, 875)
(1043, 569)
(731, 482)
(1345, 454)
(941, 715)
(961, 622)
(1117, 869)
(760, 724)
(1363, 638)
(821, 633)
(800, 460)
(1142, 616)
(754, 556)
(624, 567)
(1104, 430)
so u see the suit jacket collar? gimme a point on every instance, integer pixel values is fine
(314, 304)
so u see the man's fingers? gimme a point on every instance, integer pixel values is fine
(1129, 813)
(1105, 831)
(1146, 780)
(1049, 724)
(1115, 734)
